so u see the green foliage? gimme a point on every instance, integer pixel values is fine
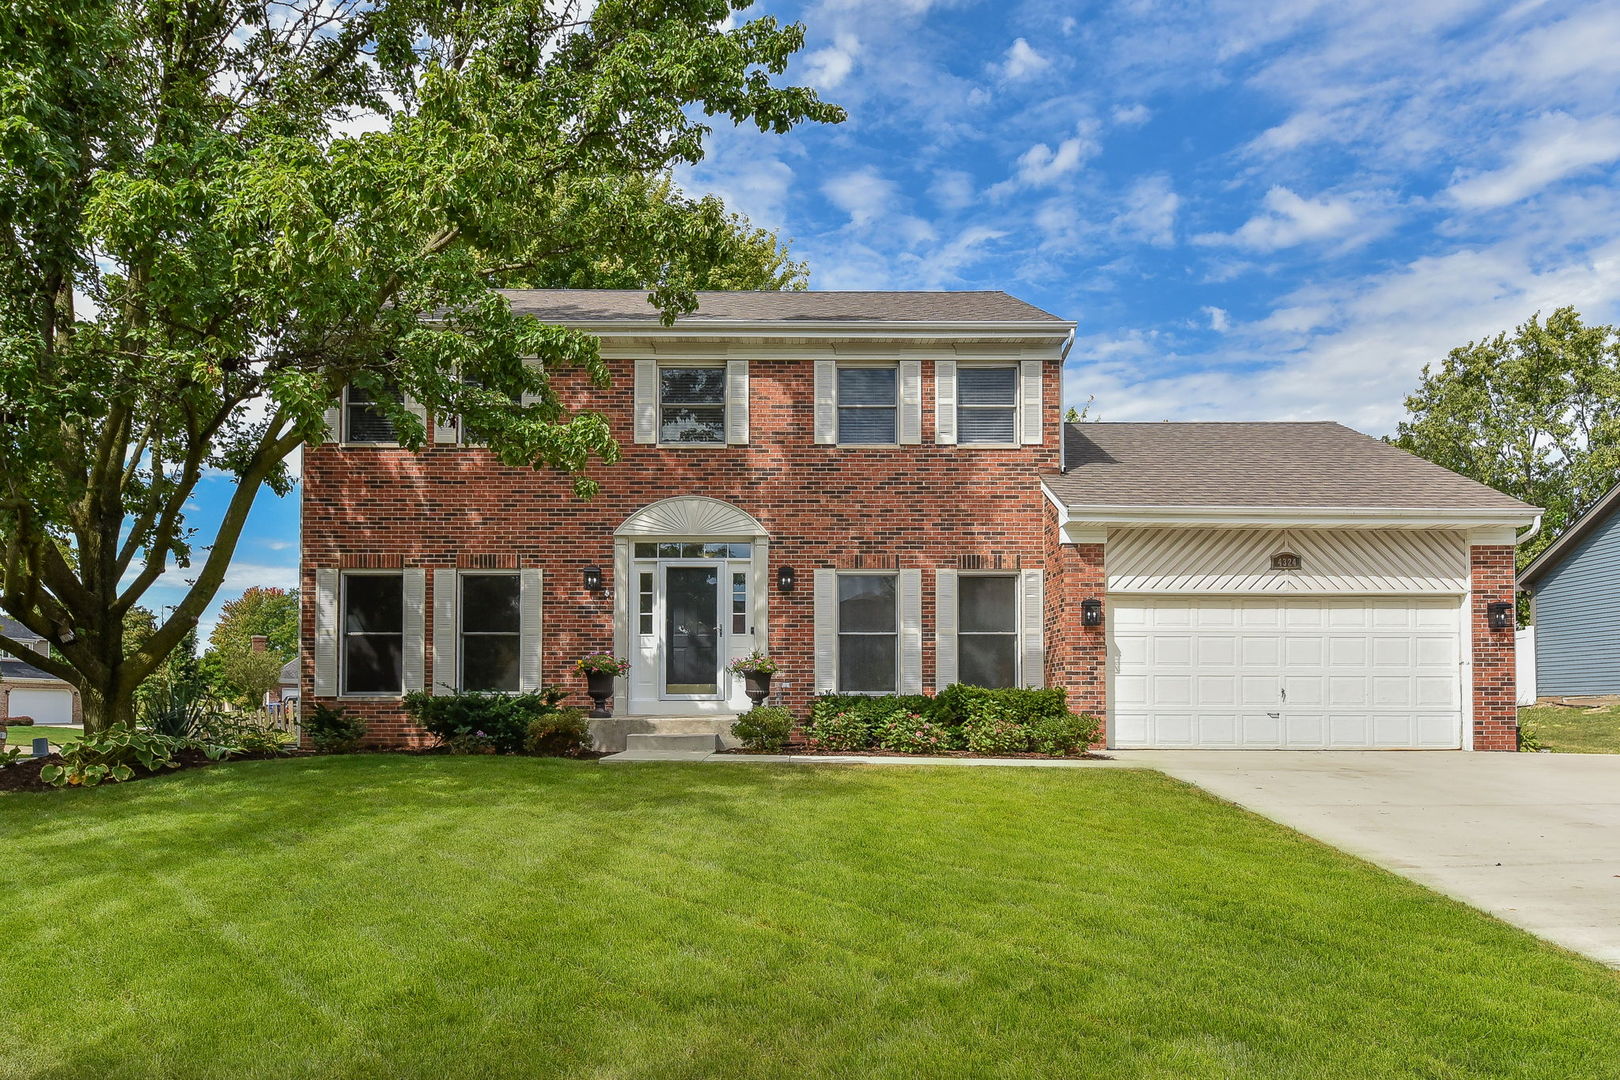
(764, 728)
(755, 663)
(991, 728)
(913, 733)
(239, 735)
(1530, 741)
(178, 710)
(465, 720)
(198, 251)
(867, 708)
(1535, 414)
(250, 675)
(112, 754)
(602, 664)
(267, 612)
(1062, 736)
(954, 704)
(844, 730)
(561, 733)
(12, 755)
(334, 730)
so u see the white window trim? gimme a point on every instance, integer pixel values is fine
(343, 633)
(838, 634)
(839, 407)
(1015, 578)
(1016, 405)
(659, 368)
(461, 633)
(343, 423)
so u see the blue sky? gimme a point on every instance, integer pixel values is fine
(1254, 211)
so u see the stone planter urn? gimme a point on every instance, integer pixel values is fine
(599, 684)
(757, 685)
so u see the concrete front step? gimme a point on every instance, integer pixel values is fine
(672, 743)
(615, 733)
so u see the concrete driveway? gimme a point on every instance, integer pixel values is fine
(1534, 839)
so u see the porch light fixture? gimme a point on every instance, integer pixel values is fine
(1499, 616)
(785, 578)
(1091, 613)
(593, 579)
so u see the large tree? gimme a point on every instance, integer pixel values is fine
(1534, 413)
(214, 214)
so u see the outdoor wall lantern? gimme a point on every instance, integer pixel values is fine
(593, 579)
(1499, 616)
(785, 578)
(1091, 613)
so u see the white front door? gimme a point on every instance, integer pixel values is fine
(690, 625)
(1256, 673)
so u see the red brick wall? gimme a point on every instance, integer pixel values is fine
(824, 506)
(1076, 655)
(1496, 725)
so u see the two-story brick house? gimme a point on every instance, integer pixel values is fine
(877, 489)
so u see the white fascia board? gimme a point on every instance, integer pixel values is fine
(1308, 517)
(1056, 332)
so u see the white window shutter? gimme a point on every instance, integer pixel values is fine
(910, 425)
(1029, 402)
(418, 410)
(911, 681)
(414, 625)
(333, 419)
(945, 628)
(529, 609)
(326, 633)
(737, 402)
(945, 401)
(446, 679)
(646, 401)
(446, 426)
(1032, 649)
(826, 390)
(826, 620)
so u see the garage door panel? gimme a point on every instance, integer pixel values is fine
(1360, 672)
(44, 705)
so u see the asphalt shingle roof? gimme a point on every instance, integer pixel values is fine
(1317, 465)
(625, 305)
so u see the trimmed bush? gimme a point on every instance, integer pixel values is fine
(765, 728)
(869, 709)
(955, 703)
(1064, 735)
(913, 733)
(563, 733)
(333, 730)
(843, 730)
(472, 720)
(991, 728)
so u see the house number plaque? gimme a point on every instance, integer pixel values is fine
(1285, 560)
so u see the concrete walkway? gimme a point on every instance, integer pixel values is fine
(1534, 839)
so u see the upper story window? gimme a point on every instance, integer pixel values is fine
(987, 405)
(987, 630)
(692, 405)
(491, 625)
(868, 634)
(373, 633)
(363, 422)
(868, 405)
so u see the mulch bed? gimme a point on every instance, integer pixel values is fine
(805, 751)
(24, 775)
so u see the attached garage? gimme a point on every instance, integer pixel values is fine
(46, 706)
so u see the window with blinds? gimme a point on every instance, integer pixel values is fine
(868, 400)
(692, 405)
(363, 421)
(868, 633)
(987, 405)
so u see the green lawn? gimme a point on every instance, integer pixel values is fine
(400, 916)
(59, 736)
(1566, 730)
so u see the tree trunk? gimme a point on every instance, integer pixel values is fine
(105, 706)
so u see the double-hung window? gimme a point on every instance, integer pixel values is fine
(373, 633)
(868, 405)
(490, 631)
(692, 405)
(987, 405)
(868, 634)
(987, 630)
(363, 421)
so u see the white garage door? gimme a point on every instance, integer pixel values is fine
(45, 706)
(1295, 674)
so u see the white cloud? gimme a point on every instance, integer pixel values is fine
(827, 68)
(1022, 61)
(952, 189)
(1218, 319)
(1149, 211)
(1288, 219)
(863, 195)
(1552, 146)
(1132, 115)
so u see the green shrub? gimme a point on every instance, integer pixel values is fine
(334, 730)
(868, 709)
(112, 755)
(463, 719)
(913, 733)
(1063, 735)
(843, 730)
(764, 728)
(954, 704)
(991, 728)
(241, 734)
(562, 733)
(1529, 738)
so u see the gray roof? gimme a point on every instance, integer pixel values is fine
(12, 668)
(15, 630)
(1553, 554)
(289, 674)
(630, 305)
(1319, 465)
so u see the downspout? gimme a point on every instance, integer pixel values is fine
(1535, 529)
(1063, 427)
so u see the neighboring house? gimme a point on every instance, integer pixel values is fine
(877, 489)
(25, 690)
(1574, 586)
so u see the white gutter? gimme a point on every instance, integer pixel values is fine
(818, 328)
(1526, 537)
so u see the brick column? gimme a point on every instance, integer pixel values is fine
(1076, 655)
(1496, 723)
